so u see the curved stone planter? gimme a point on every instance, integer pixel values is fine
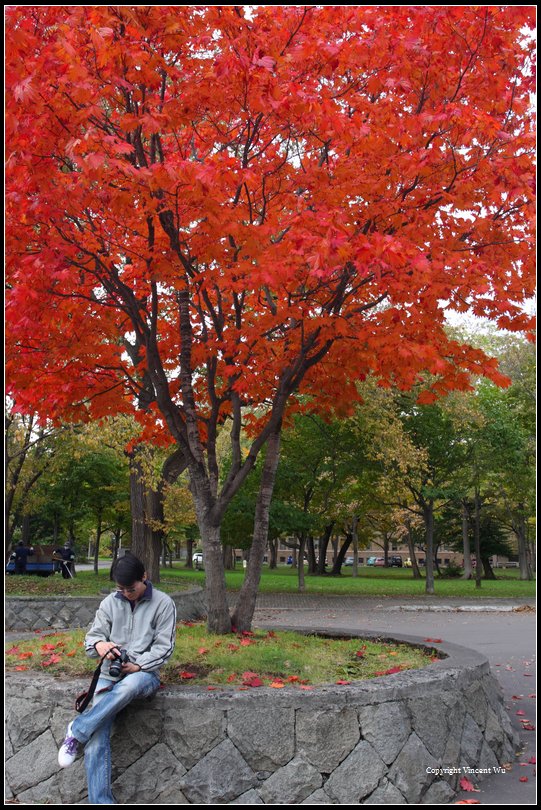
(399, 739)
(27, 613)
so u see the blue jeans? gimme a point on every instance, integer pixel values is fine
(94, 725)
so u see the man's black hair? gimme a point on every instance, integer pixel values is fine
(128, 569)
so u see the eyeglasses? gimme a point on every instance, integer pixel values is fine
(133, 589)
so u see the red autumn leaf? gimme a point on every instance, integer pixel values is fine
(465, 784)
(25, 655)
(20, 668)
(292, 678)
(469, 801)
(532, 761)
(528, 727)
(232, 678)
(434, 640)
(45, 648)
(54, 659)
(232, 647)
(523, 779)
(12, 651)
(185, 675)
(521, 713)
(253, 681)
(343, 683)
(203, 650)
(277, 685)
(246, 642)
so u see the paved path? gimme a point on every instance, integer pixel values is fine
(504, 630)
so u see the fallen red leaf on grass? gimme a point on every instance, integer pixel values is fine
(20, 668)
(343, 683)
(187, 675)
(253, 682)
(54, 659)
(12, 651)
(25, 655)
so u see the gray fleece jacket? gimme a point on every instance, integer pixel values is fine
(146, 630)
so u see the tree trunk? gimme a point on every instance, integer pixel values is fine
(97, 545)
(229, 557)
(273, 548)
(324, 541)
(428, 511)
(487, 568)
(117, 533)
(411, 546)
(311, 554)
(519, 528)
(337, 567)
(218, 619)
(300, 564)
(468, 569)
(146, 542)
(477, 536)
(354, 524)
(245, 607)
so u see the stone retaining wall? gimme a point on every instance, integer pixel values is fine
(27, 613)
(382, 741)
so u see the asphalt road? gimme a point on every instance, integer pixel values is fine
(505, 634)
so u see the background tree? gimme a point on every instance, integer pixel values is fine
(209, 212)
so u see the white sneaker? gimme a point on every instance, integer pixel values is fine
(68, 750)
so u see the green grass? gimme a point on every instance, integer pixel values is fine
(376, 582)
(262, 658)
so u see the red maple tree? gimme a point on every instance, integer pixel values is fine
(210, 212)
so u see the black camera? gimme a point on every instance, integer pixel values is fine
(115, 668)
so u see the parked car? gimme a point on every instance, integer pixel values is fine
(408, 563)
(395, 561)
(197, 560)
(348, 561)
(380, 561)
(371, 561)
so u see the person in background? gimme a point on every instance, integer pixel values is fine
(65, 558)
(22, 553)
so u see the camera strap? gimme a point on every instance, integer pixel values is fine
(84, 698)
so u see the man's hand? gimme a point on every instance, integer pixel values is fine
(130, 667)
(104, 647)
